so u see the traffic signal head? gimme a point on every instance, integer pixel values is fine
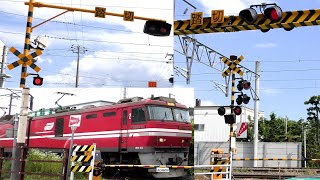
(274, 13)
(221, 111)
(240, 86)
(245, 99)
(171, 80)
(237, 110)
(239, 100)
(249, 15)
(246, 84)
(157, 28)
(37, 81)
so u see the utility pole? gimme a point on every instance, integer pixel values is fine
(21, 134)
(78, 49)
(256, 113)
(305, 146)
(3, 76)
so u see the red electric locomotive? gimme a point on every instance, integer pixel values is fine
(155, 131)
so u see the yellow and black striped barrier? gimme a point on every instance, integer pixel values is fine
(81, 158)
(89, 151)
(219, 168)
(289, 20)
(274, 159)
(147, 166)
(86, 169)
(83, 148)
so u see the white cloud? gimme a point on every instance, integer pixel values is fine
(41, 60)
(270, 91)
(265, 45)
(207, 103)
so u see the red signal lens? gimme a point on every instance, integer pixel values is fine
(37, 81)
(274, 15)
(237, 110)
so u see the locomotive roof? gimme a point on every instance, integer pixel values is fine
(114, 106)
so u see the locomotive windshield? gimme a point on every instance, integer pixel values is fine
(168, 114)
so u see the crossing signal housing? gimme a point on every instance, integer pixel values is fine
(249, 15)
(157, 28)
(274, 13)
(37, 81)
(221, 111)
(237, 110)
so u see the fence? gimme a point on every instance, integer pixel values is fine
(32, 158)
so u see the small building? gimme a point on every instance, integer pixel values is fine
(209, 126)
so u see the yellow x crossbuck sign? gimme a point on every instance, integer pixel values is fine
(232, 66)
(24, 59)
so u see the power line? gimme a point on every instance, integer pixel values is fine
(91, 40)
(94, 5)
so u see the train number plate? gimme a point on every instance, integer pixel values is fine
(162, 169)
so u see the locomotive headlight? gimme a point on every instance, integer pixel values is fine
(162, 140)
(182, 141)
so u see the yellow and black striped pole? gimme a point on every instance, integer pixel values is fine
(232, 58)
(24, 73)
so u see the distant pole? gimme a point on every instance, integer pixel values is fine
(305, 146)
(14, 149)
(78, 49)
(256, 113)
(3, 61)
(73, 129)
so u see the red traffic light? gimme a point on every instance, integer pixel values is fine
(237, 110)
(221, 111)
(246, 84)
(37, 81)
(157, 28)
(274, 13)
(249, 15)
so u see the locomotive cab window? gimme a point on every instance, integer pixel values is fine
(138, 115)
(107, 114)
(160, 113)
(91, 116)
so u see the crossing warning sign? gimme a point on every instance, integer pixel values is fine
(242, 130)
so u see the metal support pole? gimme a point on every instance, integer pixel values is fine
(73, 129)
(1, 160)
(305, 146)
(232, 138)
(256, 113)
(24, 73)
(3, 61)
(14, 146)
(77, 75)
(21, 135)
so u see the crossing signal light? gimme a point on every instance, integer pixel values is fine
(243, 99)
(157, 28)
(249, 15)
(246, 84)
(274, 13)
(37, 81)
(243, 84)
(239, 100)
(221, 111)
(171, 80)
(237, 110)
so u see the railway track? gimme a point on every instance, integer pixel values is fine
(263, 176)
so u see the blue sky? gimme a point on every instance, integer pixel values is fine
(118, 52)
(289, 60)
